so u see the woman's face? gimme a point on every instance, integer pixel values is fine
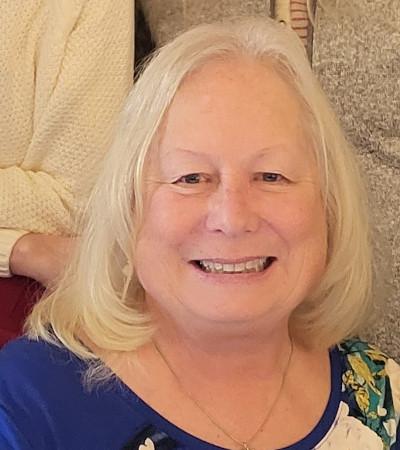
(234, 227)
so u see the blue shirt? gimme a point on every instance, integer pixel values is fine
(44, 405)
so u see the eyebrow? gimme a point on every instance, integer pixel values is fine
(258, 154)
(185, 151)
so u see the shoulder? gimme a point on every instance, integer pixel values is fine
(25, 359)
(358, 346)
(30, 370)
(371, 382)
(45, 404)
(38, 380)
(368, 364)
(368, 361)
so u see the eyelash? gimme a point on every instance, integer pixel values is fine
(277, 177)
(182, 179)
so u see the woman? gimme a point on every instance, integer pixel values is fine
(233, 261)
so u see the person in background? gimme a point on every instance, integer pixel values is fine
(216, 302)
(66, 68)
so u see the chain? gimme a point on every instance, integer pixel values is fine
(244, 445)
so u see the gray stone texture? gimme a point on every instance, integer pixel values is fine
(357, 59)
(168, 18)
(356, 56)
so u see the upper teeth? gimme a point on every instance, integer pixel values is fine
(254, 265)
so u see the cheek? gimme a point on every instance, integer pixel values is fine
(300, 221)
(302, 233)
(170, 219)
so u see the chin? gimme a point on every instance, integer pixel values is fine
(231, 308)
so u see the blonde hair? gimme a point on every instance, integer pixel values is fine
(101, 298)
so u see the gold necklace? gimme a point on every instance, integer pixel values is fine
(244, 445)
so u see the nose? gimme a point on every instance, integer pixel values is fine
(232, 211)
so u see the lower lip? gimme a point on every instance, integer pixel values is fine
(245, 277)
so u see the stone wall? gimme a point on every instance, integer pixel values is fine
(357, 59)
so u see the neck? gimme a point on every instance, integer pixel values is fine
(242, 351)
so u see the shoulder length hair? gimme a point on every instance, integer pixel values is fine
(100, 295)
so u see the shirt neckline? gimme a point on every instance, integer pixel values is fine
(319, 432)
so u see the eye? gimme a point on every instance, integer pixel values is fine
(270, 177)
(192, 178)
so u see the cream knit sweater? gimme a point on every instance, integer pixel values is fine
(65, 69)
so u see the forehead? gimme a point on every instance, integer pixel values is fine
(235, 103)
(226, 72)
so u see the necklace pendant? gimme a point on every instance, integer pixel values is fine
(245, 446)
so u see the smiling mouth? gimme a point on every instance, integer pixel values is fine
(250, 266)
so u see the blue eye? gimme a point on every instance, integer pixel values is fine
(191, 178)
(271, 177)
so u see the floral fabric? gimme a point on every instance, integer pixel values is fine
(369, 411)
